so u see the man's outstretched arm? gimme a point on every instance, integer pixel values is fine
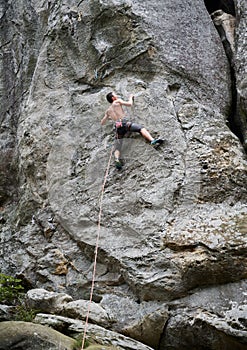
(104, 119)
(128, 103)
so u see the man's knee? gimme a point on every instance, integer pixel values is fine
(136, 128)
(143, 130)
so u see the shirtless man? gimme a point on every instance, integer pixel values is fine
(116, 113)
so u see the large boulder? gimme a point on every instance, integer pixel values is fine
(43, 300)
(214, 318)
(94, 333)
(30, 336)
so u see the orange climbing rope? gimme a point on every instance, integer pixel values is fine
(96, 247)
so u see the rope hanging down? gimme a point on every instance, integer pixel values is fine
(96, 247)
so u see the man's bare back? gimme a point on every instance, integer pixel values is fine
(115, 111)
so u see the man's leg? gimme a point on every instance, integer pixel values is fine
(118, 146)
(146, 134)
(143, 131)
(117, 154)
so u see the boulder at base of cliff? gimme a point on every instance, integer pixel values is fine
(30, 336)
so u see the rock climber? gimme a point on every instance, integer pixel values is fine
(116, 113)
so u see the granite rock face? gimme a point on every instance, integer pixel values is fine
(174, 220)
(241, 70)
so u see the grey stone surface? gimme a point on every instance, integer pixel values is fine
(63, 304)
(41, 299)
(94, 332)
(174, 220)
(214, 318)
(241, 70)
(30, 336)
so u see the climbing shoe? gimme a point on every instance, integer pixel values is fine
(118, 164)
(157, 142)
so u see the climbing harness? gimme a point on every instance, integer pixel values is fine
(96, 246)
(119, 124)
(122, 126)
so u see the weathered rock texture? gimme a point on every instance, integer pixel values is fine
(95, 333)
(241, 70)
(26, 335)
(175, 219)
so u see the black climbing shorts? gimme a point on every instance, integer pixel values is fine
(122, 128)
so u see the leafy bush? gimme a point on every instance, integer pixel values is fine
(24, 313)
(91, 345)
(10, 289)
(12, 293)
(78, 344)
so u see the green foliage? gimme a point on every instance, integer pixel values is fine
(12, 293)
(24, 313)
(91, 345)
(78, 344)
(10, 289)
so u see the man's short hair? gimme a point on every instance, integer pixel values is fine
(109, 97)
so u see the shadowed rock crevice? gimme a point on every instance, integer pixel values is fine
(223, 14)
(224, 5)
